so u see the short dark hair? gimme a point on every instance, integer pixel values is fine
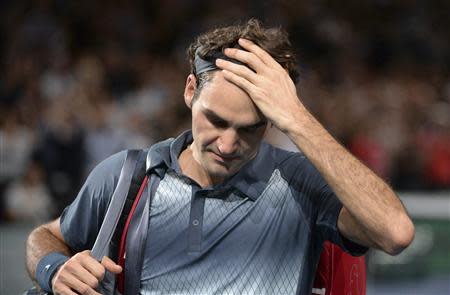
(273, 40)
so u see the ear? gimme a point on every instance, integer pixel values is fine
(189, 89)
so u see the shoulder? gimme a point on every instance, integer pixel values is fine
(294, 167)
(82, 219)
(103, 179)
(286, 161)
(112, 164)
(107, 172)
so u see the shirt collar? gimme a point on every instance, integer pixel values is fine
(250, 180)
(253, 177)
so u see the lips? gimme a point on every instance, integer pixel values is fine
(224, 159)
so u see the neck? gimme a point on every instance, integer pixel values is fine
(194, 170)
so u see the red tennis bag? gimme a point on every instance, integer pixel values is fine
(339, 273)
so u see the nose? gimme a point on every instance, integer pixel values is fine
(228, 142)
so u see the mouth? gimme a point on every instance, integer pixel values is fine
(224, 159)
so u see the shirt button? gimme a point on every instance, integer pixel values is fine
(195, 222)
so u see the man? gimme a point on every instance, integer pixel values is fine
(232, 215)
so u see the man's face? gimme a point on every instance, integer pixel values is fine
(227, 128)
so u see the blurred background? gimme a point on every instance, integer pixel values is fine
(81, 80)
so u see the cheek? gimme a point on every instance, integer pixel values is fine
(250, 144)
(203, 132)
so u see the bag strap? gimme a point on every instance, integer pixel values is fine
(116, 205)
(123, 239)
(135, 233)
(136, 182)
(132, 218)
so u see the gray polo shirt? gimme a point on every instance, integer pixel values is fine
(259, 232)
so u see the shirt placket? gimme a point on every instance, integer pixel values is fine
(196, 221)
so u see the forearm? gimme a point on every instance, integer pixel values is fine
(79, 274)
(41, 242)
(370, 202)
(371, 209)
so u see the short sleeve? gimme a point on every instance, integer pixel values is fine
(82, 219)
(318, 203)
(326, 225)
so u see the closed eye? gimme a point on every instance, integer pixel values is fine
(253, 128)
(219, 124)
(216, 121)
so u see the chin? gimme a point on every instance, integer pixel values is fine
(218, 171)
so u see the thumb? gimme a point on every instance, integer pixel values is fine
(110, 265)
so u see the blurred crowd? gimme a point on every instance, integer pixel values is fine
(81, 80)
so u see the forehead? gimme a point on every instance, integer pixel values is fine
(228, 101)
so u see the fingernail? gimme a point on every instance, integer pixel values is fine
(243, 40)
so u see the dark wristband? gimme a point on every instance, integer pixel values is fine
(47, 267)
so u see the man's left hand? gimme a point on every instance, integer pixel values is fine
(268, 85)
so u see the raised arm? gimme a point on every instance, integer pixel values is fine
(372, 214)
(51, 265)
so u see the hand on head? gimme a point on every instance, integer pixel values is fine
(267, 83)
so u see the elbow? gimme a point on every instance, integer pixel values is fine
(402, 235)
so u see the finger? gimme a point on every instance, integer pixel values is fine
(94, 268)
(110, 265)
(246, 57)
(63, 290)
(72, 282)
(84, 275)
(91, 264)
(258, 51)
(239, 70)
(239, 81)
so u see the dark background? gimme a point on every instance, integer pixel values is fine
(80, 80)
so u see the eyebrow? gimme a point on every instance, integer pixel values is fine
(214, 116)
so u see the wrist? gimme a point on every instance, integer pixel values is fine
(293, 119)
(47, 268)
